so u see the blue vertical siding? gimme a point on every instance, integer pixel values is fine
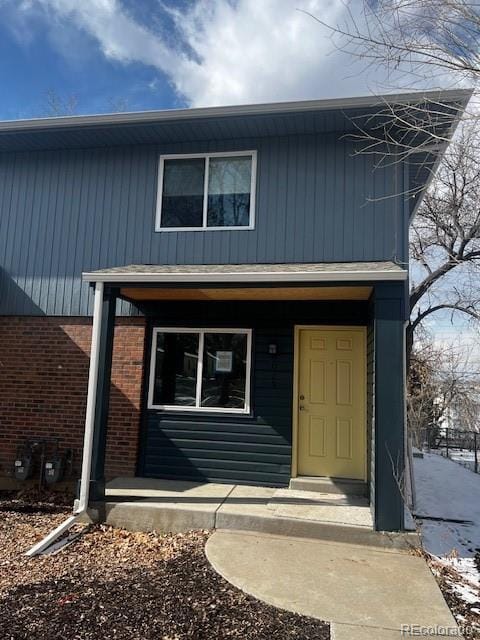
(67, 211)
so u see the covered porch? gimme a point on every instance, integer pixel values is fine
(236, 412)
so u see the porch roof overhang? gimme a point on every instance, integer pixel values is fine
(208, 275)
(299, 281)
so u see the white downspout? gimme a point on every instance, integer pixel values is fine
(82, 505)
(91, 400)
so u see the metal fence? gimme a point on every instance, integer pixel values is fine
(460, 446)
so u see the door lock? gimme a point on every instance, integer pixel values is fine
(302, 397)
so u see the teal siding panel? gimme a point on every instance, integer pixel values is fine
(389, 393)
(253, 449)
(371, 410)
(67, 211)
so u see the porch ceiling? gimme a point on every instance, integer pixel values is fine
(247, 293)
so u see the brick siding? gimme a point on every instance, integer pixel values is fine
(43, 387)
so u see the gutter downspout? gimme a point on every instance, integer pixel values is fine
(81, 507)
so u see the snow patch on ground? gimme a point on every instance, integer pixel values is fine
(467, 592)
(448, 512)
(462, 456)
(449, 492)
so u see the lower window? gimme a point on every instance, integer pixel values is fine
(200, 370)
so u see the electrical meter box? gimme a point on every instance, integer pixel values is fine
(23, 467)
(53, 470)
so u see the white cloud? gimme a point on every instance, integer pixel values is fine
(227, 52)
(255, 51)
(119, 36)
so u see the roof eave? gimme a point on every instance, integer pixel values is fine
(440, 153)
(247, 277)
(460, 96)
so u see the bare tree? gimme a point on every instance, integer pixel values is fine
(118, 105)
(445, 238)
(439, 387)
(57, 105)
(413, 39)
(418, 41)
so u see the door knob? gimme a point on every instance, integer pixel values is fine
(302, 408)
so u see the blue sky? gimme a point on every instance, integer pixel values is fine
(28, 72)
(66, 59)
(152, 54)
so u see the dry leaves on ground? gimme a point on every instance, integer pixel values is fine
(112, 584)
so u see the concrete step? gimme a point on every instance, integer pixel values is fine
(179, 508)
(144, 516)
(320, 484)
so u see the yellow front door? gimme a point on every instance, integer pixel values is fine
(331, 403)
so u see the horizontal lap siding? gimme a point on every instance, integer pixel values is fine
(244, 449)
(67, 211)
(250, 449)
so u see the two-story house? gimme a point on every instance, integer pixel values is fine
(246, 268)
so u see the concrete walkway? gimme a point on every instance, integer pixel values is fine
(366, 593)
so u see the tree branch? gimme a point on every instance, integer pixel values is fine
(453, 306)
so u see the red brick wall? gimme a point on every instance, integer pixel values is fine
(43, 386)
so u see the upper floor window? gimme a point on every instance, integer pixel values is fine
(210, 191)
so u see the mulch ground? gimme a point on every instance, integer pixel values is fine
(112, 584)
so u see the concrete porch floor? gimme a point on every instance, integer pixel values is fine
(145, 504)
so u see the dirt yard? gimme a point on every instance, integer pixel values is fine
(112, 584)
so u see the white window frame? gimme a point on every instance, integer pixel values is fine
(207, 156)
(201, 331)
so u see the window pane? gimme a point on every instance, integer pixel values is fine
(182, 197)
(224, 370)
(229, 182)
(176, 369)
